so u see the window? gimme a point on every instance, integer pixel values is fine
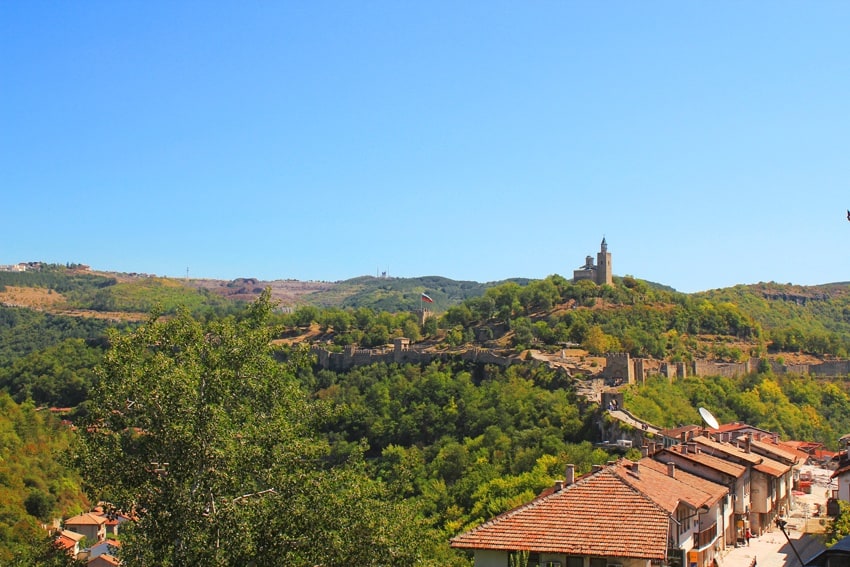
(573, 561)
(598, 562)
(684, 520)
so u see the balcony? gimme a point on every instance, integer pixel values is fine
(707, 536)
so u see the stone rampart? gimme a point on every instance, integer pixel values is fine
(619, 367)
(402, 354)
(831, 368)
(725, 369)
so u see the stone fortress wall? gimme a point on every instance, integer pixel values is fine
(619, 368)
(401, 353)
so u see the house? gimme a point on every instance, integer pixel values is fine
(781, 453)
(697, 506)
(69, 541)
(842, 476)
(690, 458)
(113, 520)
(90, 524)
(766, 478)
(817, 454)
(596, 520)
(107, 546)
(104, 560)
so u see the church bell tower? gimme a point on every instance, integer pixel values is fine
(604, 275)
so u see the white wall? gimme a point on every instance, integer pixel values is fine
(489, 558)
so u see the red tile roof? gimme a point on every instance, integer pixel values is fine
(598, 515)
(780, 450)
(66, 542)
(726, 467)
(654, 480)
(759, 462)
(663, 489)
(735, 426)
(840, 471)
(104, 559)
(715, 490)
(713, 447)
(87, 519)
(73, 536)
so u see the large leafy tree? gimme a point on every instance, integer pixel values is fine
(204, 436)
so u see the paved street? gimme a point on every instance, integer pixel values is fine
(772, 549)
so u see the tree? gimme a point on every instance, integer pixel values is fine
(39, 504)
(199, 432)
(840, 526)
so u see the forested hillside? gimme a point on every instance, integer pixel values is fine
(455, 443)
(35, 484)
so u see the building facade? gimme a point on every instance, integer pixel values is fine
(600, 273)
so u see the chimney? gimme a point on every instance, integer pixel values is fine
(749, 444)
(684, 448)
(671, 469)
(559, 485)
(570, 478)
(595, 468)
(636, 468)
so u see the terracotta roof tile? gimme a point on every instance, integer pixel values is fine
(717, 491)
(712, 447)
(775, 449)
(729, 468)
(68, 534)
(840, 471)
(87, 519)
(661, 488)
(598, 515)
(105, 559)
(758, 462)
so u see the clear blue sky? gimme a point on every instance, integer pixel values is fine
(709, 142)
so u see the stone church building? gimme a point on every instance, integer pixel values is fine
(600, 273)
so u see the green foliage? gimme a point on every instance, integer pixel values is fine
(518, 559)
(59, 375)
(23, 331)
(57, 279)
(463, 448)
(840, 526)
(362, 326)
(398, 294)
(209, 439)
(35, 485)
(797, 407)
(144, 295)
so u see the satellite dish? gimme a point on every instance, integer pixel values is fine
(708, 418)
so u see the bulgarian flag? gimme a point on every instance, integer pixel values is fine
(426, 299)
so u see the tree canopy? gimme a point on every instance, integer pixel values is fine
(206, 438)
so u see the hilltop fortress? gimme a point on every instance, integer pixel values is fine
(599, 273)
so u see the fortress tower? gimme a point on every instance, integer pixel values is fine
(604, 275)
(601, 273)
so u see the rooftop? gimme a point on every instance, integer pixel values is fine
(599, 514)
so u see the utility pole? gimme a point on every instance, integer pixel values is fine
(780, 523)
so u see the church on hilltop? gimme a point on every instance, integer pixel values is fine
(600, 273)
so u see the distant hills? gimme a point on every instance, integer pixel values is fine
(83, 291)
(633, 314)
